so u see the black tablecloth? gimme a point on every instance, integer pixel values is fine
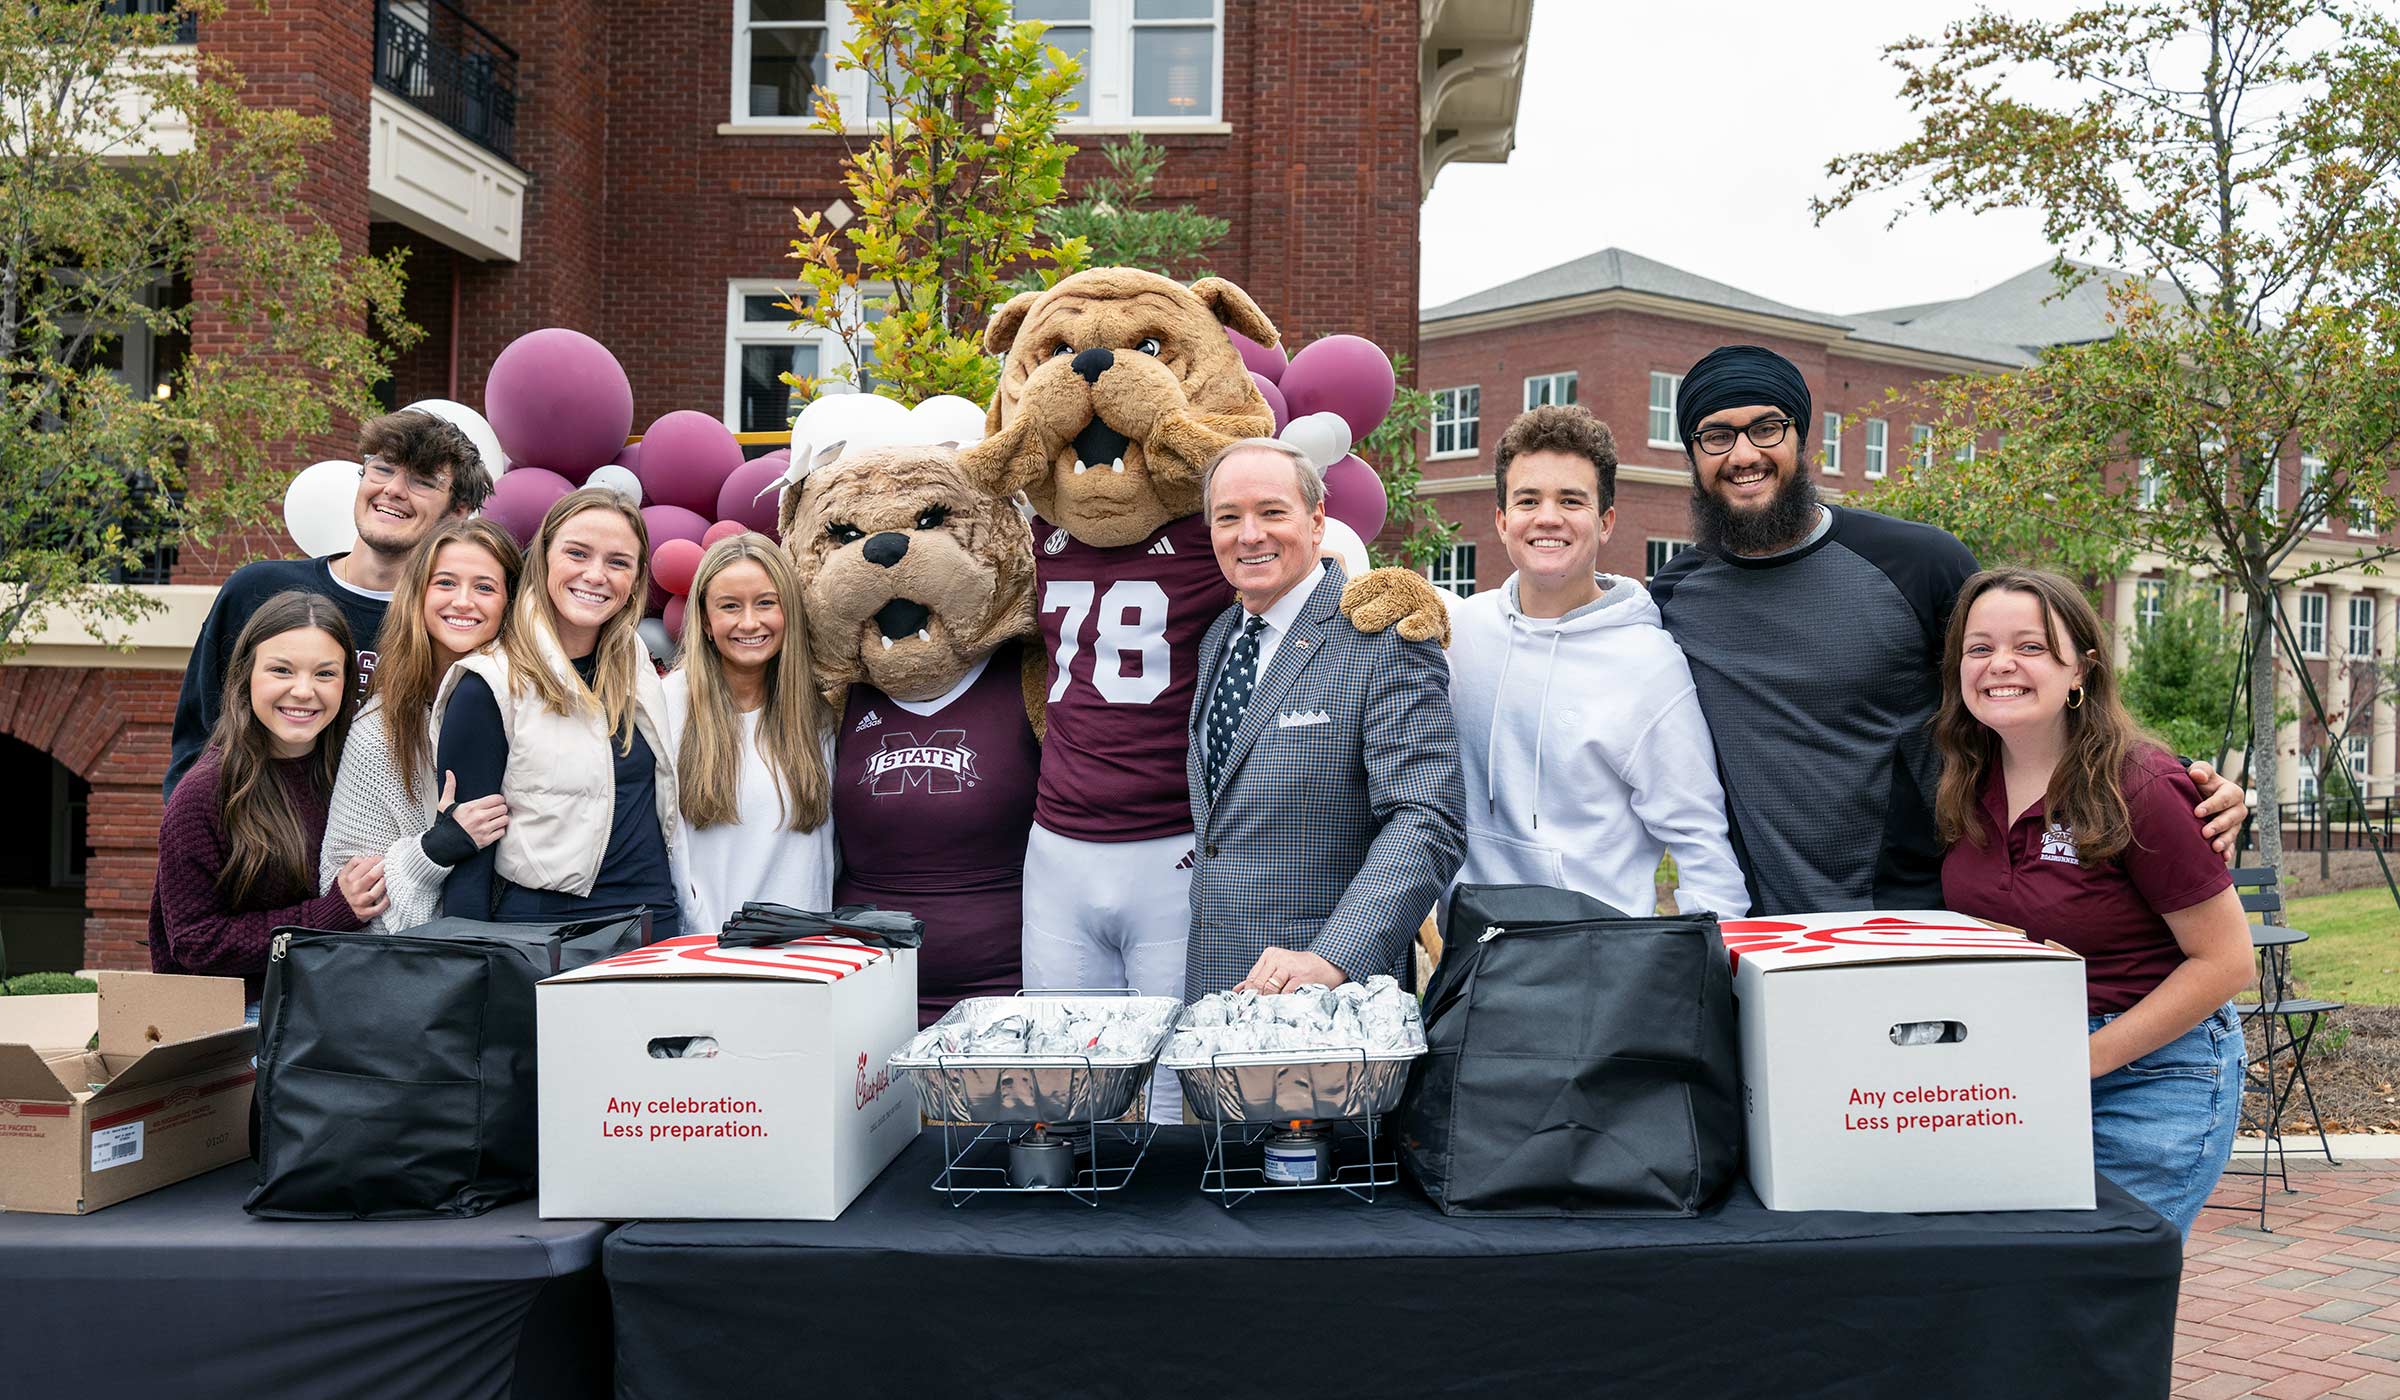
(179, 1294)
(1162, 1292)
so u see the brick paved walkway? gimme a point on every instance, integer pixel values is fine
(2311, 1309)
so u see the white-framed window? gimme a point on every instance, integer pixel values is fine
(2148, 484)
(2149, 603)
(2306, 788)
(782, 51)
(1541, 389)
(1453, 569)
(2270, 490)
(2362, 627)
(1663, 389)
(1456, 415)
(1878, 446)
(2312, 469)
(2357, 757)
(1833, 444)
(1656, 552)
(1920, 446)
(1150, 63)
(2312, 624)
(1966, 450)
(762, 344)
(2362, 520)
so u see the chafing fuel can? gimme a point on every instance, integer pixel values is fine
(1300, 1156)
(1038, 1161)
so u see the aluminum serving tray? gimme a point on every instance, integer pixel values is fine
(1271, 1086)
(1031, 1088)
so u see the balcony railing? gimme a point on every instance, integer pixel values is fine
(430, 53)
(187, 25)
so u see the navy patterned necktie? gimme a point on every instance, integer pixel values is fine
(1234, 685)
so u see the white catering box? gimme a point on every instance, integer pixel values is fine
(787, 1116)
(1845, 1115)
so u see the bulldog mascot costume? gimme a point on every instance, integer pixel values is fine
(1118, 387)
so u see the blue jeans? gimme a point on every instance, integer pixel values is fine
(2162, 1126)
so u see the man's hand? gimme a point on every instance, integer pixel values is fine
(2221, 811)
(1388, 597)
(1282, 970)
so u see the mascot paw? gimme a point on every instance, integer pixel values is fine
(1385, 598)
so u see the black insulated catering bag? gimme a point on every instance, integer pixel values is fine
(1579, 1062)
(396, 1071)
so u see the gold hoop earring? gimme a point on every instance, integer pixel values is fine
(2075, 698)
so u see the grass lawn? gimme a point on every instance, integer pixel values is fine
(2353, 950)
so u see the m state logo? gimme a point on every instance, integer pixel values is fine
(869, 1090)
(2058, 844)
(941, 763)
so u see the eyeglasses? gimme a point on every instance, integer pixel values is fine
(1763, 434)
(380, 473)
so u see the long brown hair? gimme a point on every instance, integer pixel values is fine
(267, 852)
(2087, 789)
(791, 728)
(409, 665)
(620, 648)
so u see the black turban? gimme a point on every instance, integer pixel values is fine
(1732, 376)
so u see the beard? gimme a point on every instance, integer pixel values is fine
(1782, 522)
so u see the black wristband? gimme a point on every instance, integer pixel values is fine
(446, 842)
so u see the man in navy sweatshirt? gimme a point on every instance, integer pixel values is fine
(420, 470)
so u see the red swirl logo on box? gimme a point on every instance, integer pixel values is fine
(697, 954)
(1856, 937)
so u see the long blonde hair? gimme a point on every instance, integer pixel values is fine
(620, 648)
(791, 727)
(408, 665)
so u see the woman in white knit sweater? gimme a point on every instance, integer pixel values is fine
(751, 733)
(452, 601)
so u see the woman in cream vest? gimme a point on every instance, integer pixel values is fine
(567, 721)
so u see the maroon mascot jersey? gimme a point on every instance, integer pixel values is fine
(1122, 627)
(931, 812)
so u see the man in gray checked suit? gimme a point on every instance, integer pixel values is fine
(1327, 806)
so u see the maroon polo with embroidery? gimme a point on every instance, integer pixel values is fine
(2111, 912)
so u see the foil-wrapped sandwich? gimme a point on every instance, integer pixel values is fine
(1376, 1016)
(1103, 1028)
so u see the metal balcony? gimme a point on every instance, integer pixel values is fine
(187, 25)
(430, 53)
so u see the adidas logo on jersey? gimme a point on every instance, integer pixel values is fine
(1162, 547)
(868, 723)
(1186, 862)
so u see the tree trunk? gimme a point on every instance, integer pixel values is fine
(2262, 771)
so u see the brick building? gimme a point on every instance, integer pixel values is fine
(629, 168)
(1614, 331)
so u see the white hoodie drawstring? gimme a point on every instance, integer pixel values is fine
(1541, 726)
(1491, 750)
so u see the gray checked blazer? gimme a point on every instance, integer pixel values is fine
(1340, 816)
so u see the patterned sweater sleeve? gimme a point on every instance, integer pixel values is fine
(373, 814)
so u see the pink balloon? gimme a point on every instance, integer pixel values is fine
(686, 457)
(674, 564)
(670, 523)
(1354, 496)
(520, 499)
(673, 617)
(722, 530)
(559, 401)
(1342, 374)
(1274, 397)
(1267, 360)
(740, 499)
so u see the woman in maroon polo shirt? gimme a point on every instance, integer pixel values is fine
(2065, 820)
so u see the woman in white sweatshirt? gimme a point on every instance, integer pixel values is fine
(750, 733)
(1585, 753)
(451, 602)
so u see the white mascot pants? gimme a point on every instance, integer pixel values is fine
(1109, 914)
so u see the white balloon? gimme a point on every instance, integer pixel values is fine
(618, 479)
(472, 424)
(653, 632)
(947, 418)
(845, 425)
(1343, 543)
(1324, 437)
(318, 508)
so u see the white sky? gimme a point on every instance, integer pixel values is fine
(1627, 107)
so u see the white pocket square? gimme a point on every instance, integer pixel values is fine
(1291, 719)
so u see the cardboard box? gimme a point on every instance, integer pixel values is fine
(788, 1119)
(166, 1094)
(1995, 1114)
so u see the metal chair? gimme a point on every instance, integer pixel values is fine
(2275, 1012)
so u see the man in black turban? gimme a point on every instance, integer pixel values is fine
(1743, 414)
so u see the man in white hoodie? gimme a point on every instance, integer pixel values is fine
(1585, 752)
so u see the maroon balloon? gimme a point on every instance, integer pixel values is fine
(1341, 374)
(521, 497)
(1354, 496)
(558, 401)
(1267, 360)
(722, 530)
(1274, 397)
(673, 617)
(686, 457)
(740, 499)
(669, 523)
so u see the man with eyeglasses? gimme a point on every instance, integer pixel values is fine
(420, 471)
(1814, 635)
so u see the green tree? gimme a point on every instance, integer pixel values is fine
(1120, 224)
(947, 192)
(2181, 671)
(1392, 451)
(101, 224)
(2238, 159)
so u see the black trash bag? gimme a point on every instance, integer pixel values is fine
(396, 1071)
(1580, 1062)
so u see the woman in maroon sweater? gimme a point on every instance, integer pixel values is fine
(237, 851)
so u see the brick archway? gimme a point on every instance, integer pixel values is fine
(111, 728)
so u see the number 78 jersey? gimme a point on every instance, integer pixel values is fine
(1122, 628)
